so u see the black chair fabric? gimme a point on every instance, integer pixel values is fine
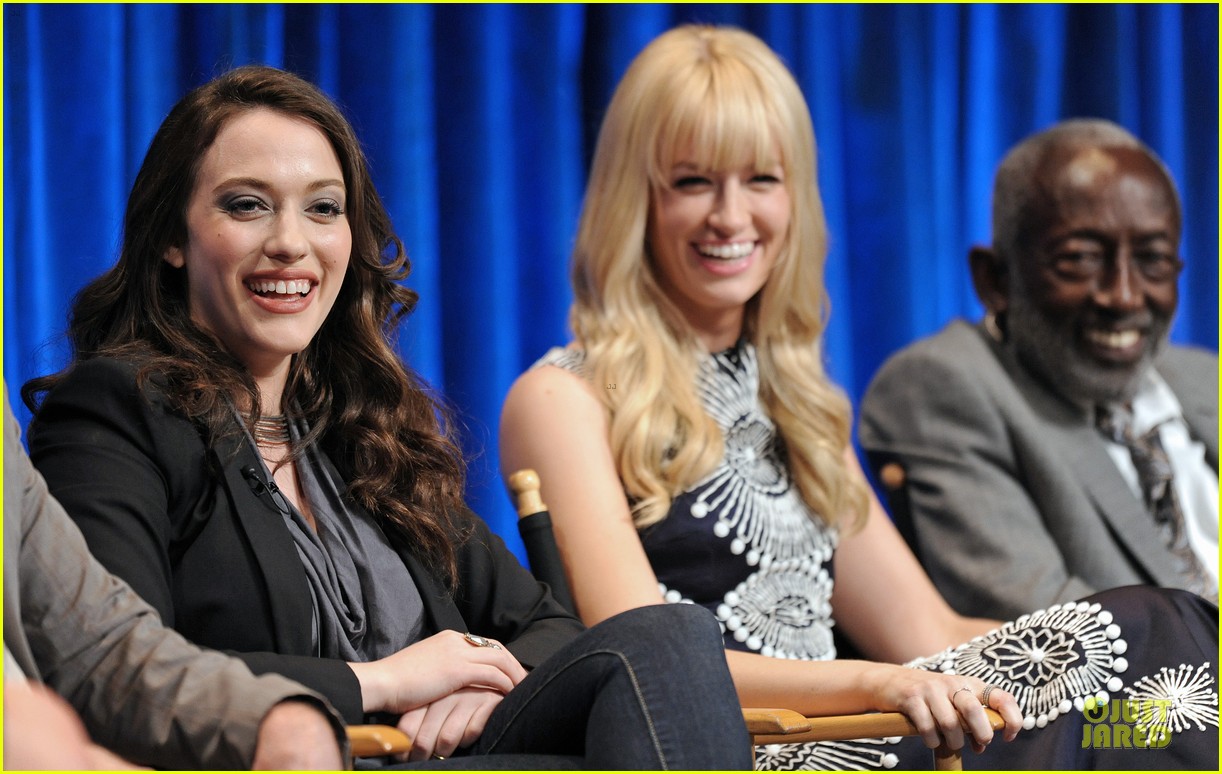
(544, 556)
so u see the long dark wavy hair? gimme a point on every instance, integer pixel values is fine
(387, 434)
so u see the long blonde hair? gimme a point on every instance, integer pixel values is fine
(725, 94)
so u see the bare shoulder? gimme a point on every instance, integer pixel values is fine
(551, 418)
(549, 390)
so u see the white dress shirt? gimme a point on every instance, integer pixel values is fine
(1196, 483)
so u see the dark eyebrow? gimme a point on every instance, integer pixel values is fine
(327, 184)
(262, 185)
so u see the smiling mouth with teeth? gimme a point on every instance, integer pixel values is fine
(265, 288)
(1114, 339)
(727, 252)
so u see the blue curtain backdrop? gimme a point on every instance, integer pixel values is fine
(479, 122)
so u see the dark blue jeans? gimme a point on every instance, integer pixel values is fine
(646, 689)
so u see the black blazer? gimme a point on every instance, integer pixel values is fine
(215, 558)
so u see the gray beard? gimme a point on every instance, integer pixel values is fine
(1047, 347)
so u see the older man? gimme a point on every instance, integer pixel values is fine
(1061, 446)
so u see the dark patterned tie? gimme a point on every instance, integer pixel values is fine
(1154, 473)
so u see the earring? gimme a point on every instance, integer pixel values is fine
(994, 330)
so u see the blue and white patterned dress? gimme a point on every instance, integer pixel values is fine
(743, 544)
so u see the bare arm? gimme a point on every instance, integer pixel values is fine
(881, 590)
(432, 669)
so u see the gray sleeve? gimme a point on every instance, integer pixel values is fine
(13, 673)
(974, 526)
(140, 688)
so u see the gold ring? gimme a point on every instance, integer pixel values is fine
(956, 693)
(480, 642)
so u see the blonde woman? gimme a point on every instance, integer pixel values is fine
(691, 447)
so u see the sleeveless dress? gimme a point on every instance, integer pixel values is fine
(742, 543)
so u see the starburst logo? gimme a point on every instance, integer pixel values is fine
(1188, 692)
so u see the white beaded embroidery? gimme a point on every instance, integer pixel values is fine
(1190, 691)
(858, 755)
(1049, 660)
(783, 608)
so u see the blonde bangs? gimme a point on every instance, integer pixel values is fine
(720, 116)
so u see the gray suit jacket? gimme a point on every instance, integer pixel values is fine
(141, 689)
(1012, 502)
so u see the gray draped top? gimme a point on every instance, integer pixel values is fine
(366, 604)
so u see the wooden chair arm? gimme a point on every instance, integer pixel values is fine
(836, 727)
(373, 741)
(774, 721)
(833, 727)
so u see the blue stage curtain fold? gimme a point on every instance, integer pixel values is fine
(479, 123)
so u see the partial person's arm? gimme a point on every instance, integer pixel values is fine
(42, 732)
(297, 734)
(980, 534)
(552, 422)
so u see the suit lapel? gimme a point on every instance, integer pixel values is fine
(1200, 407)
(1126, 515)
(288, 590)
(1070, 436)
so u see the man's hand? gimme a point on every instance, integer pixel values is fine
(296, 735)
